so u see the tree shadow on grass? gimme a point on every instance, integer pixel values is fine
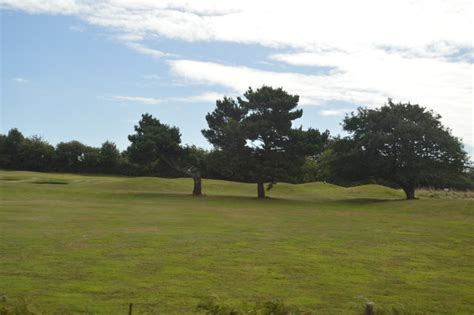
(181, 196)
(271, 201)
(368, 200)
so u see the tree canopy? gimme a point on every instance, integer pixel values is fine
(255, 135)
(403, 143)
(158, 146)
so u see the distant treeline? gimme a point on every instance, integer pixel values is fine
(34, 153)
(398, 145)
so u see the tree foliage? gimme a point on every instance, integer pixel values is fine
(153, 142)
(404, 143)
(10, 149)
(158, 147)
(254, 136)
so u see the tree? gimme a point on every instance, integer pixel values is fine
(340, 163)
(4, 159)
(405, 144)
(256, 137)
(270, 113)
(91, 160)
(10, 147)
(109, 157)
(36, 154)
(156, 144)
(71, 156)
(194, 159)
(304, 147)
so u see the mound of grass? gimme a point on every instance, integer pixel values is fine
(99, 243)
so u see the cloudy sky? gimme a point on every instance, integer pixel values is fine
(87, 70)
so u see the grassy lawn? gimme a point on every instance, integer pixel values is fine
(93, 244)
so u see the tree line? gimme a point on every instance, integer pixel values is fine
(253, 138)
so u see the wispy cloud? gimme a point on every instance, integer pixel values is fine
(153, 77)
(443, 86)
(206, 97)
(77, 28)
(335, 112)
(148, 51)
(20, 80)
(65, 7)
(438, 26)
(137, 99)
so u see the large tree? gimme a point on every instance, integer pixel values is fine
(270, 113)
(403, 143)
(109, 157)
(36, 154)
(157, 144)
(255, 136)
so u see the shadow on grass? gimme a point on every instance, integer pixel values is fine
(211, 198)
(9, 179)
(368, 200)
(189, 196)
(50, 182)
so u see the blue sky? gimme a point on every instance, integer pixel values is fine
(87, 70)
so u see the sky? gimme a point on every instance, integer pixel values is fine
(86, 70)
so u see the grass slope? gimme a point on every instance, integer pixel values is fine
(76, 244)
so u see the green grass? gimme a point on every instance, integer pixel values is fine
(93, 244)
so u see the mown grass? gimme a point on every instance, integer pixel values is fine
(93, 244)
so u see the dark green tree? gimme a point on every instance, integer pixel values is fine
(10, 147)
(3, 156)
(71, 156)
(341, 164)
(254, 135)
(109, 157)
(403, 143)
(36, 154)
(154, 143)
(304, 147)
(230, 158)
(91, 160)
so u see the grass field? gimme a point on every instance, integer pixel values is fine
(93, 244)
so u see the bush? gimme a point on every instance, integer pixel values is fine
(213, 306)
(17, 307)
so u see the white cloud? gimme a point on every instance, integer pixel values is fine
(309, 25)
(20, 80)
(335, 112)
(137, 99)
(77, 28)
(47, 6)
(206, 97)
(442, 86)
(147, 51)
(313, 89)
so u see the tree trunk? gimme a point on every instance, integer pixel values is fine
(260, 189)
(409, 191)
(192, 172)
(197, 190)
